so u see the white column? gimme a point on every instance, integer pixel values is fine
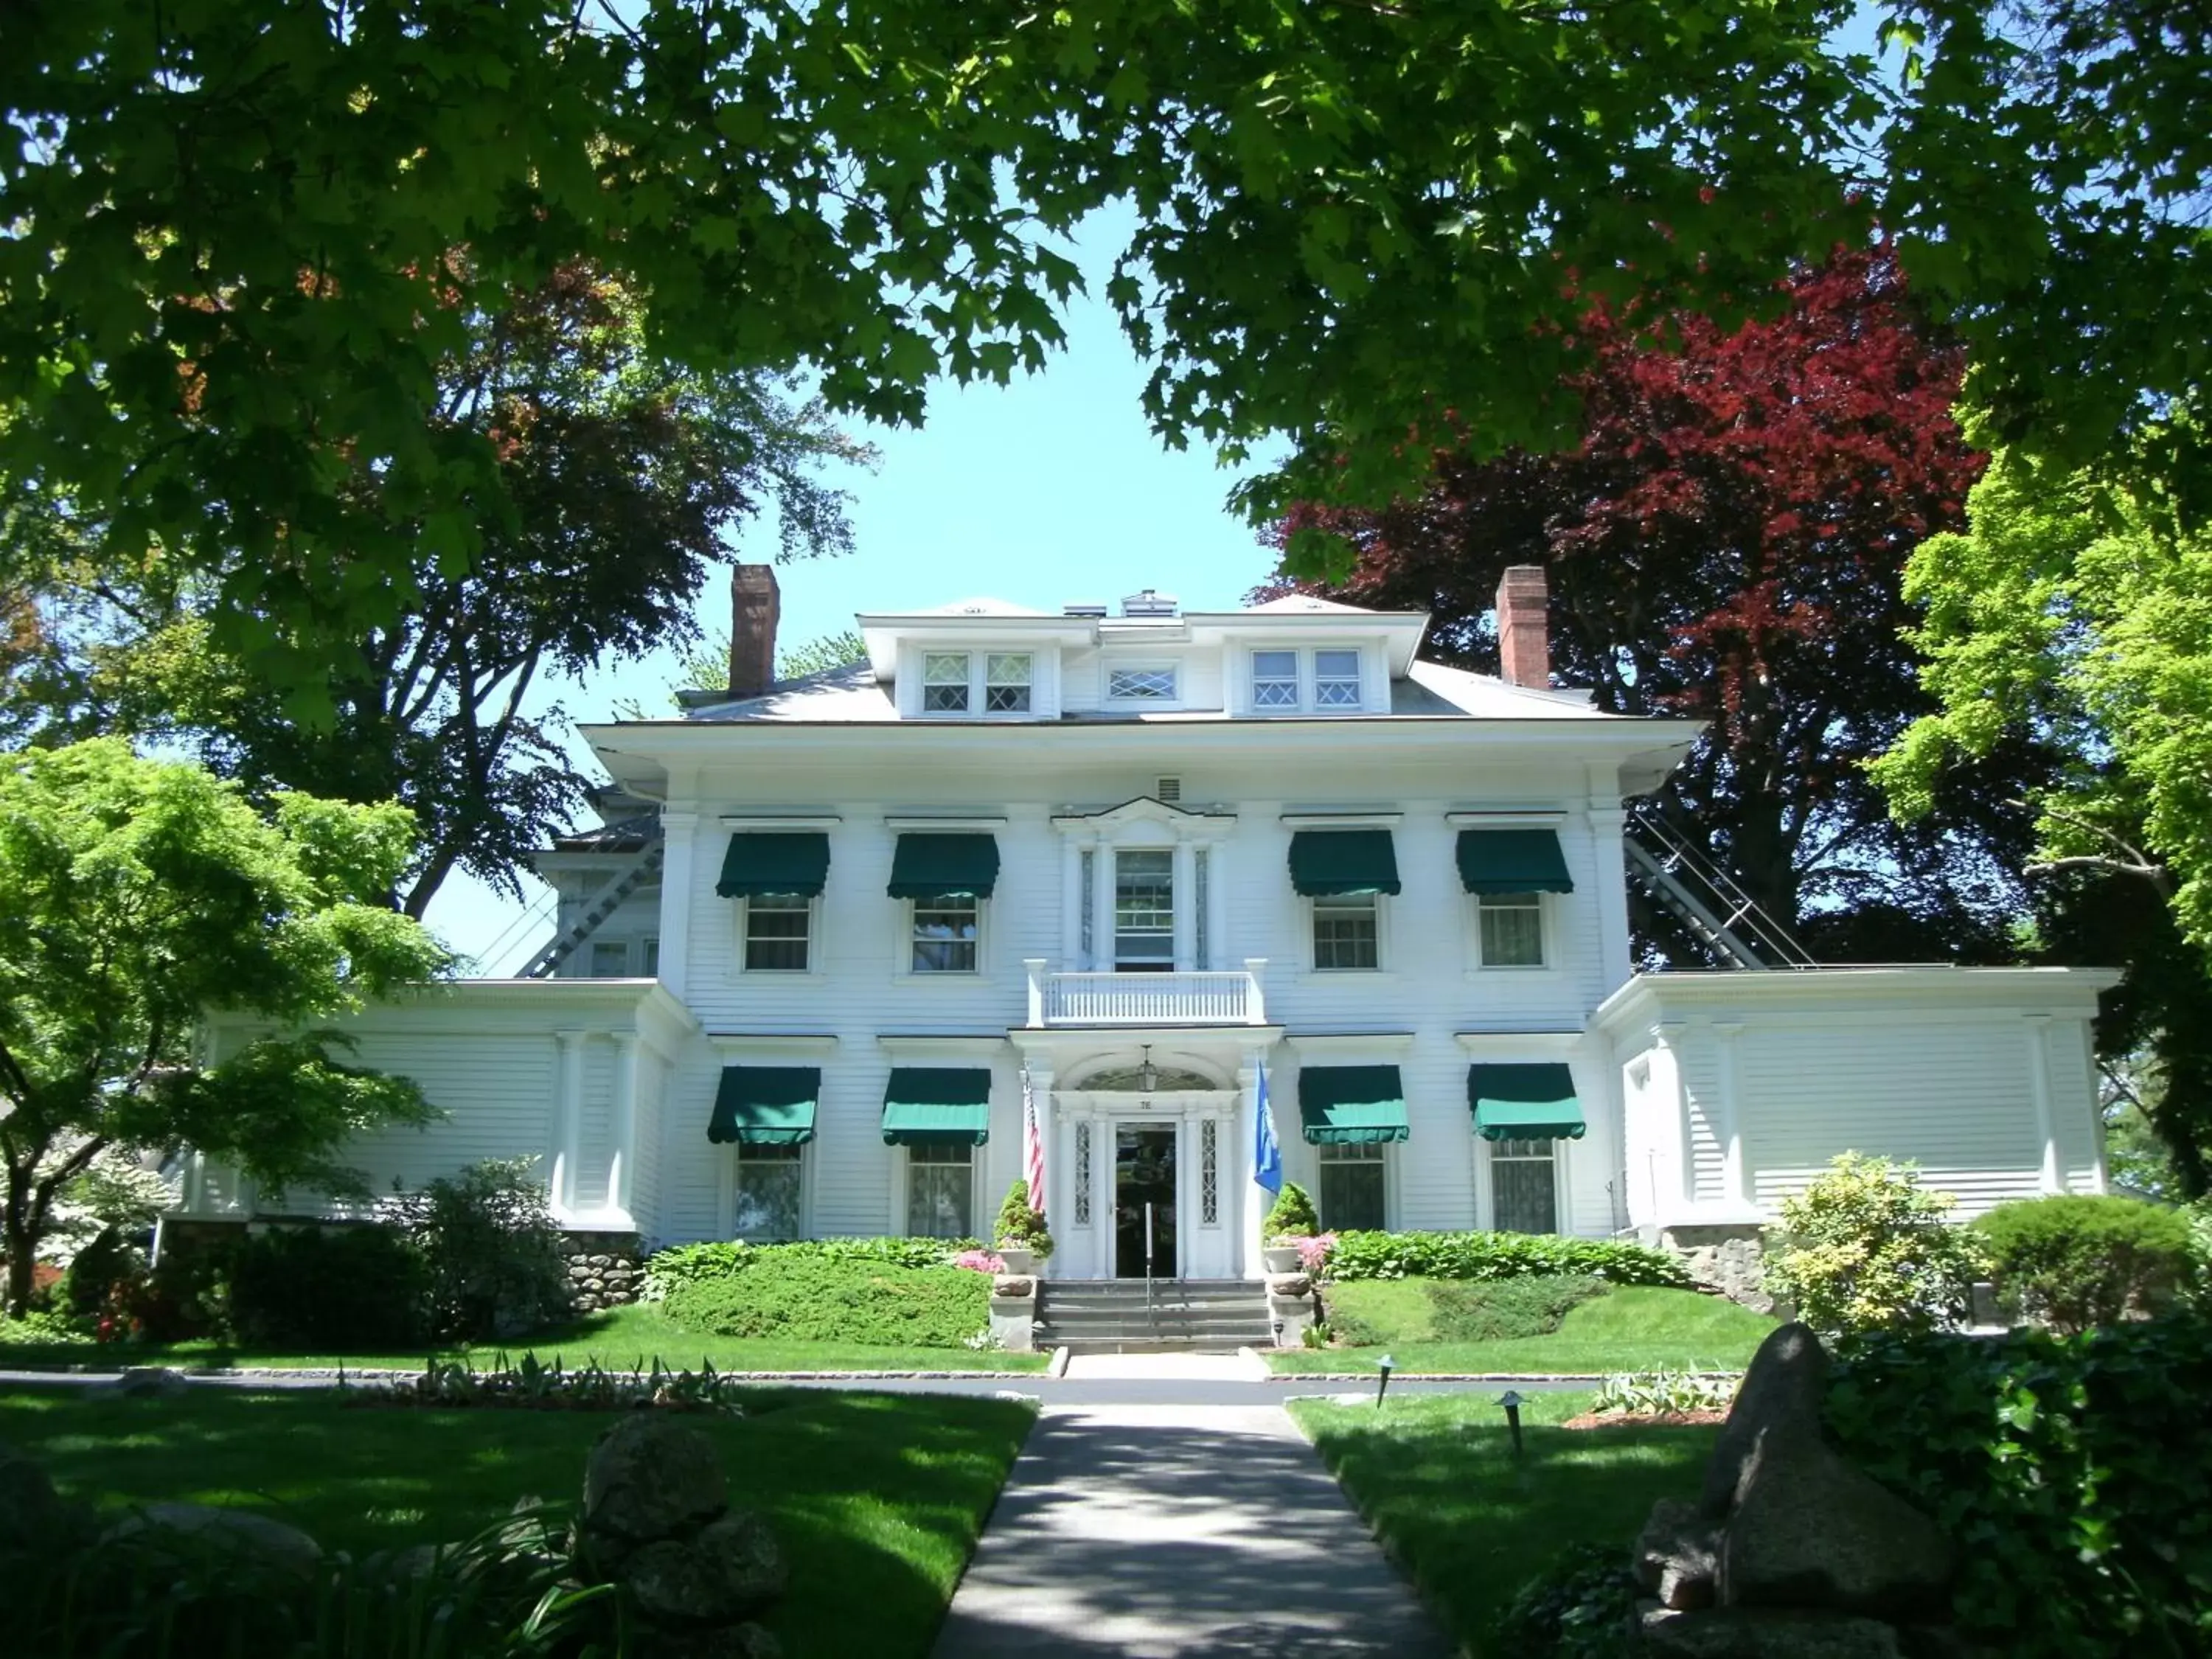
(1102, 908)
(621, 1156)
(680, 829)
(1735, 1191)
(1667, 1052)
(1034, 967)
(1256, 1005)
(1071, 904)
(568, 1124)
(2038, 1083)
(1606, 822)
(1185, 877)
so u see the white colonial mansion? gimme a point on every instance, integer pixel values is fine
(1158, 870)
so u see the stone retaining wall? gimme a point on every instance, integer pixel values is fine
(1724, 1261)
(605, 1270)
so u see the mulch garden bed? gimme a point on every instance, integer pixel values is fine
(1645, 1419)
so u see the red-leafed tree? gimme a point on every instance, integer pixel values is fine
(1726, 543)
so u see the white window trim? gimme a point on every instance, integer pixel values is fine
(979, 688)
(1313, 973)
(902, 1188)
(1308, 676)
(903, 968)
(1547, 914)
(596, 945)
(1108, 669)
(1563, 1214)
(1390, 1162)
(743, 907)
(731, 1155)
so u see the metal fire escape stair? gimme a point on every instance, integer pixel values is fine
(1706, 899)
(601, 905)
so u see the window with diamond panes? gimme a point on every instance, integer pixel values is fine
(945, 934)
(1523, 1189)
(1336, 679)
(1200, 946)
(1140, 684)
(940, 1192)
(1274, 679)
(1006, 683)
(1346, 933)
(1512, 930)
(1209, 1173)
(1083, 1174)
(777, 926)
(945, 682)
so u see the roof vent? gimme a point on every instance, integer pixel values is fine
(1149, 604)
(1167, 790)
(1084, 608)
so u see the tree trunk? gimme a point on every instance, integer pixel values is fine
(22, 1247)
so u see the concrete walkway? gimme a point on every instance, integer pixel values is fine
(1179, 1532)
(1244, 1367)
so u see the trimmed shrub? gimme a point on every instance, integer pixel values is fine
(1019, 1225)
(1291, 1215)
(1460, 1309)
(1866, 1247)
(682, 1263)
(2073, 1467)
(2074, 1262)
(1499, 1255)
(800, 1295)
(492, 1249)
(357, 1286)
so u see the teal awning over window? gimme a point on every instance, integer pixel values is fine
(766, 1105)
(937, 864)
(1513, 861)
(1524, 1102)
(780, 861)
(1343, 1105)
(1330, 863)
(925, 1103)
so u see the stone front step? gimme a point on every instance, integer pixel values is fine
(1115, 1316)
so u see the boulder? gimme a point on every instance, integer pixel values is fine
(261, 1539)
(732, 1569)
(650, 1477)
(142, 1382)
(1762, 1634)
(31, 1511)
(1677, 1556)
(1780, 1399)
(1808, 1530)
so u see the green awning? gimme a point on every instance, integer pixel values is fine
(1344, 1105)
(936, 864)
(1327, 863)
(1524, 1102)
(766, 1105)
(940, 1103)
(1513, 861)
(780, 861)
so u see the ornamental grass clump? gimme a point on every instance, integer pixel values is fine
(1866, 1247)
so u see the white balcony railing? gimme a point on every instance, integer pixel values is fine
(1212, 998)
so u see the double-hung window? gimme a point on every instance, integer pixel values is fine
(1320, 681)
(777, 929)
(946, 930)
(1347, 933)
(967, 682)
(1275, 679)
(1336, 679)
(610, 959)
(1352, 1186)
(1510, 929)
(1144, 911)
(940, 1191)
(768, 1191)
(1523, 1187)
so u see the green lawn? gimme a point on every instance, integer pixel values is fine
(618, 1337)
(1632, 1328)
(878, 1498)
(1437, 1481)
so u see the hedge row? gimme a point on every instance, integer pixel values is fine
(684, 1264)
(1356, 1256)
(2074, 1468)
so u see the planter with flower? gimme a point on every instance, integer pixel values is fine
(1020, 1242)
(1290, 1230)
(1290, 1220)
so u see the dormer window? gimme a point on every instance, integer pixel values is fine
(1274, 679)
(1140, 684)
(963, 682)
(1336, 679)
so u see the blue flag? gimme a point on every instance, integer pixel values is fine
(1266, 1156)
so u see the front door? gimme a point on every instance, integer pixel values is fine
(1143, 1199)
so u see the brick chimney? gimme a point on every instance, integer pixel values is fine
(755, 605)
(1524, 651)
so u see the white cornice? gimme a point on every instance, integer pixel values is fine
(772, 821)
(1331, 1045)
(925, 822)
(1505, 818)
(1518, 1045)
(1344, 820)
(1916, 991)
(780, 1045)
(936, 1050)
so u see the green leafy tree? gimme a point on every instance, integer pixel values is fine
(139, 897)
(1865, 1247)
(628, 478)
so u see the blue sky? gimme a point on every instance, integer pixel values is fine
(1049, 489)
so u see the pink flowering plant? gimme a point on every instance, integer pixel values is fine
(1313, 1251)
(982, 1261)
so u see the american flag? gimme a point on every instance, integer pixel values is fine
(1032, 1145)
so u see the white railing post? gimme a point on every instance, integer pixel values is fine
(1256, 1005)
(1035, 967)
